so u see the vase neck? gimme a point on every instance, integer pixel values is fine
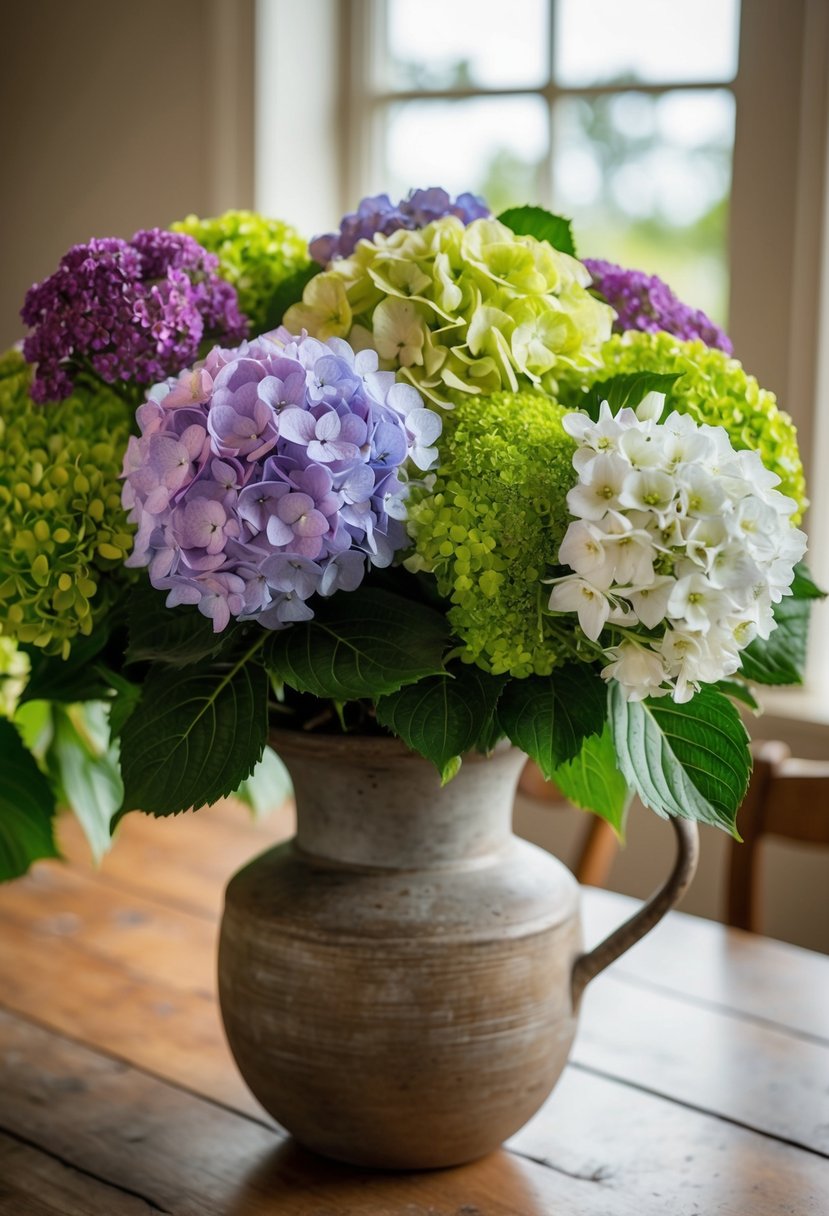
(371, 802)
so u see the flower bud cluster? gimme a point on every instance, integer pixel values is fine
(378, 213)
(680, 547)
(271, 473)
(126, 311)
(646, 302)
(63, 534)
(256, 254)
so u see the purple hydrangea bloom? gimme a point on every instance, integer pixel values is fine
(271, 473)
(379, 214)
(126, 311)
(645, 302)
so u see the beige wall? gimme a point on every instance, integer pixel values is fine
(114, 118)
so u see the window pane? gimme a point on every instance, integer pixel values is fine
(495, 147)
(610, 41)
(435, 44)
(647, 179)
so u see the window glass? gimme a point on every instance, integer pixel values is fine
(647, 41)
(440, 44)
(492, 146)
(647, 179)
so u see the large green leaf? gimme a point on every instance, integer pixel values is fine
(781, 658)
(364, 644)
(85, 765)
(194, 735)
(804, 586)
(444, 716)
(27, 807)
(548, 717)
(592, 780)
(627, 390)
(542, 224)
(77, 678)
(689, 760)
(267, 787)
(178, 636)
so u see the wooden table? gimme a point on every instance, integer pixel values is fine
(699, 1081)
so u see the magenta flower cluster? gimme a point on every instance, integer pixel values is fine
(127, 311)
(271, 473)
(379, 214)
(643, 301)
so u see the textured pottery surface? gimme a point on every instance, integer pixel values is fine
(396, 981)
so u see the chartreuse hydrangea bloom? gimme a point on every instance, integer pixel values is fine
(714, 389)
(256, 255)
(14, 668)
(63, 533)
(470, 309)
(490, 528)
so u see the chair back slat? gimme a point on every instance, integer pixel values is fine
(787, 798)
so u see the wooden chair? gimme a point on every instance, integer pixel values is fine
(787, 798)
(599, 844)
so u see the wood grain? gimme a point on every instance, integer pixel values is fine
(597, 1149)
(762, 979)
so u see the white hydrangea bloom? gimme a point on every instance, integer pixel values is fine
(680, 546)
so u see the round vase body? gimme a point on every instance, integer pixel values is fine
(395, 982)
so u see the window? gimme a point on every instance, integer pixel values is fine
(620, 114)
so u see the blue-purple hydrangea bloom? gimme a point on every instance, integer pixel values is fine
(645, 302)
(271, 473)
(127, 310)
(379, 214)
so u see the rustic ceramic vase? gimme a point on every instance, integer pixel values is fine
(400, 982)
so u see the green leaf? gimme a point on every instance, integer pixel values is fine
(287, 293)
(627, 390)
(592, 780)
(86, 769)
(804, 587)
(177, 636)
(542, 224)
(27, 807)
(127, 696)
(267, 787)
(194, 735)
(548, 717)
(444, 716)
(738, 692)
(68, 680)
(781, 658)
(365, 643)
(689, 760)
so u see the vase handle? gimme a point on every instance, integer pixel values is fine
(668, 896)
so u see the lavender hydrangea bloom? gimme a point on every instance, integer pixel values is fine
(645, 302)
(126, 311)
(272, 473)
(379, 214)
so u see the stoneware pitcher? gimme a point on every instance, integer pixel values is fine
(400, 982)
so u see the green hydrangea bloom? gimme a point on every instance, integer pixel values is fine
(490, 526)
(62, 527)
(256, 255)
(460, 309)
(715, 389)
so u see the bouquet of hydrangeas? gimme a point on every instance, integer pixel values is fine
(432, 477)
